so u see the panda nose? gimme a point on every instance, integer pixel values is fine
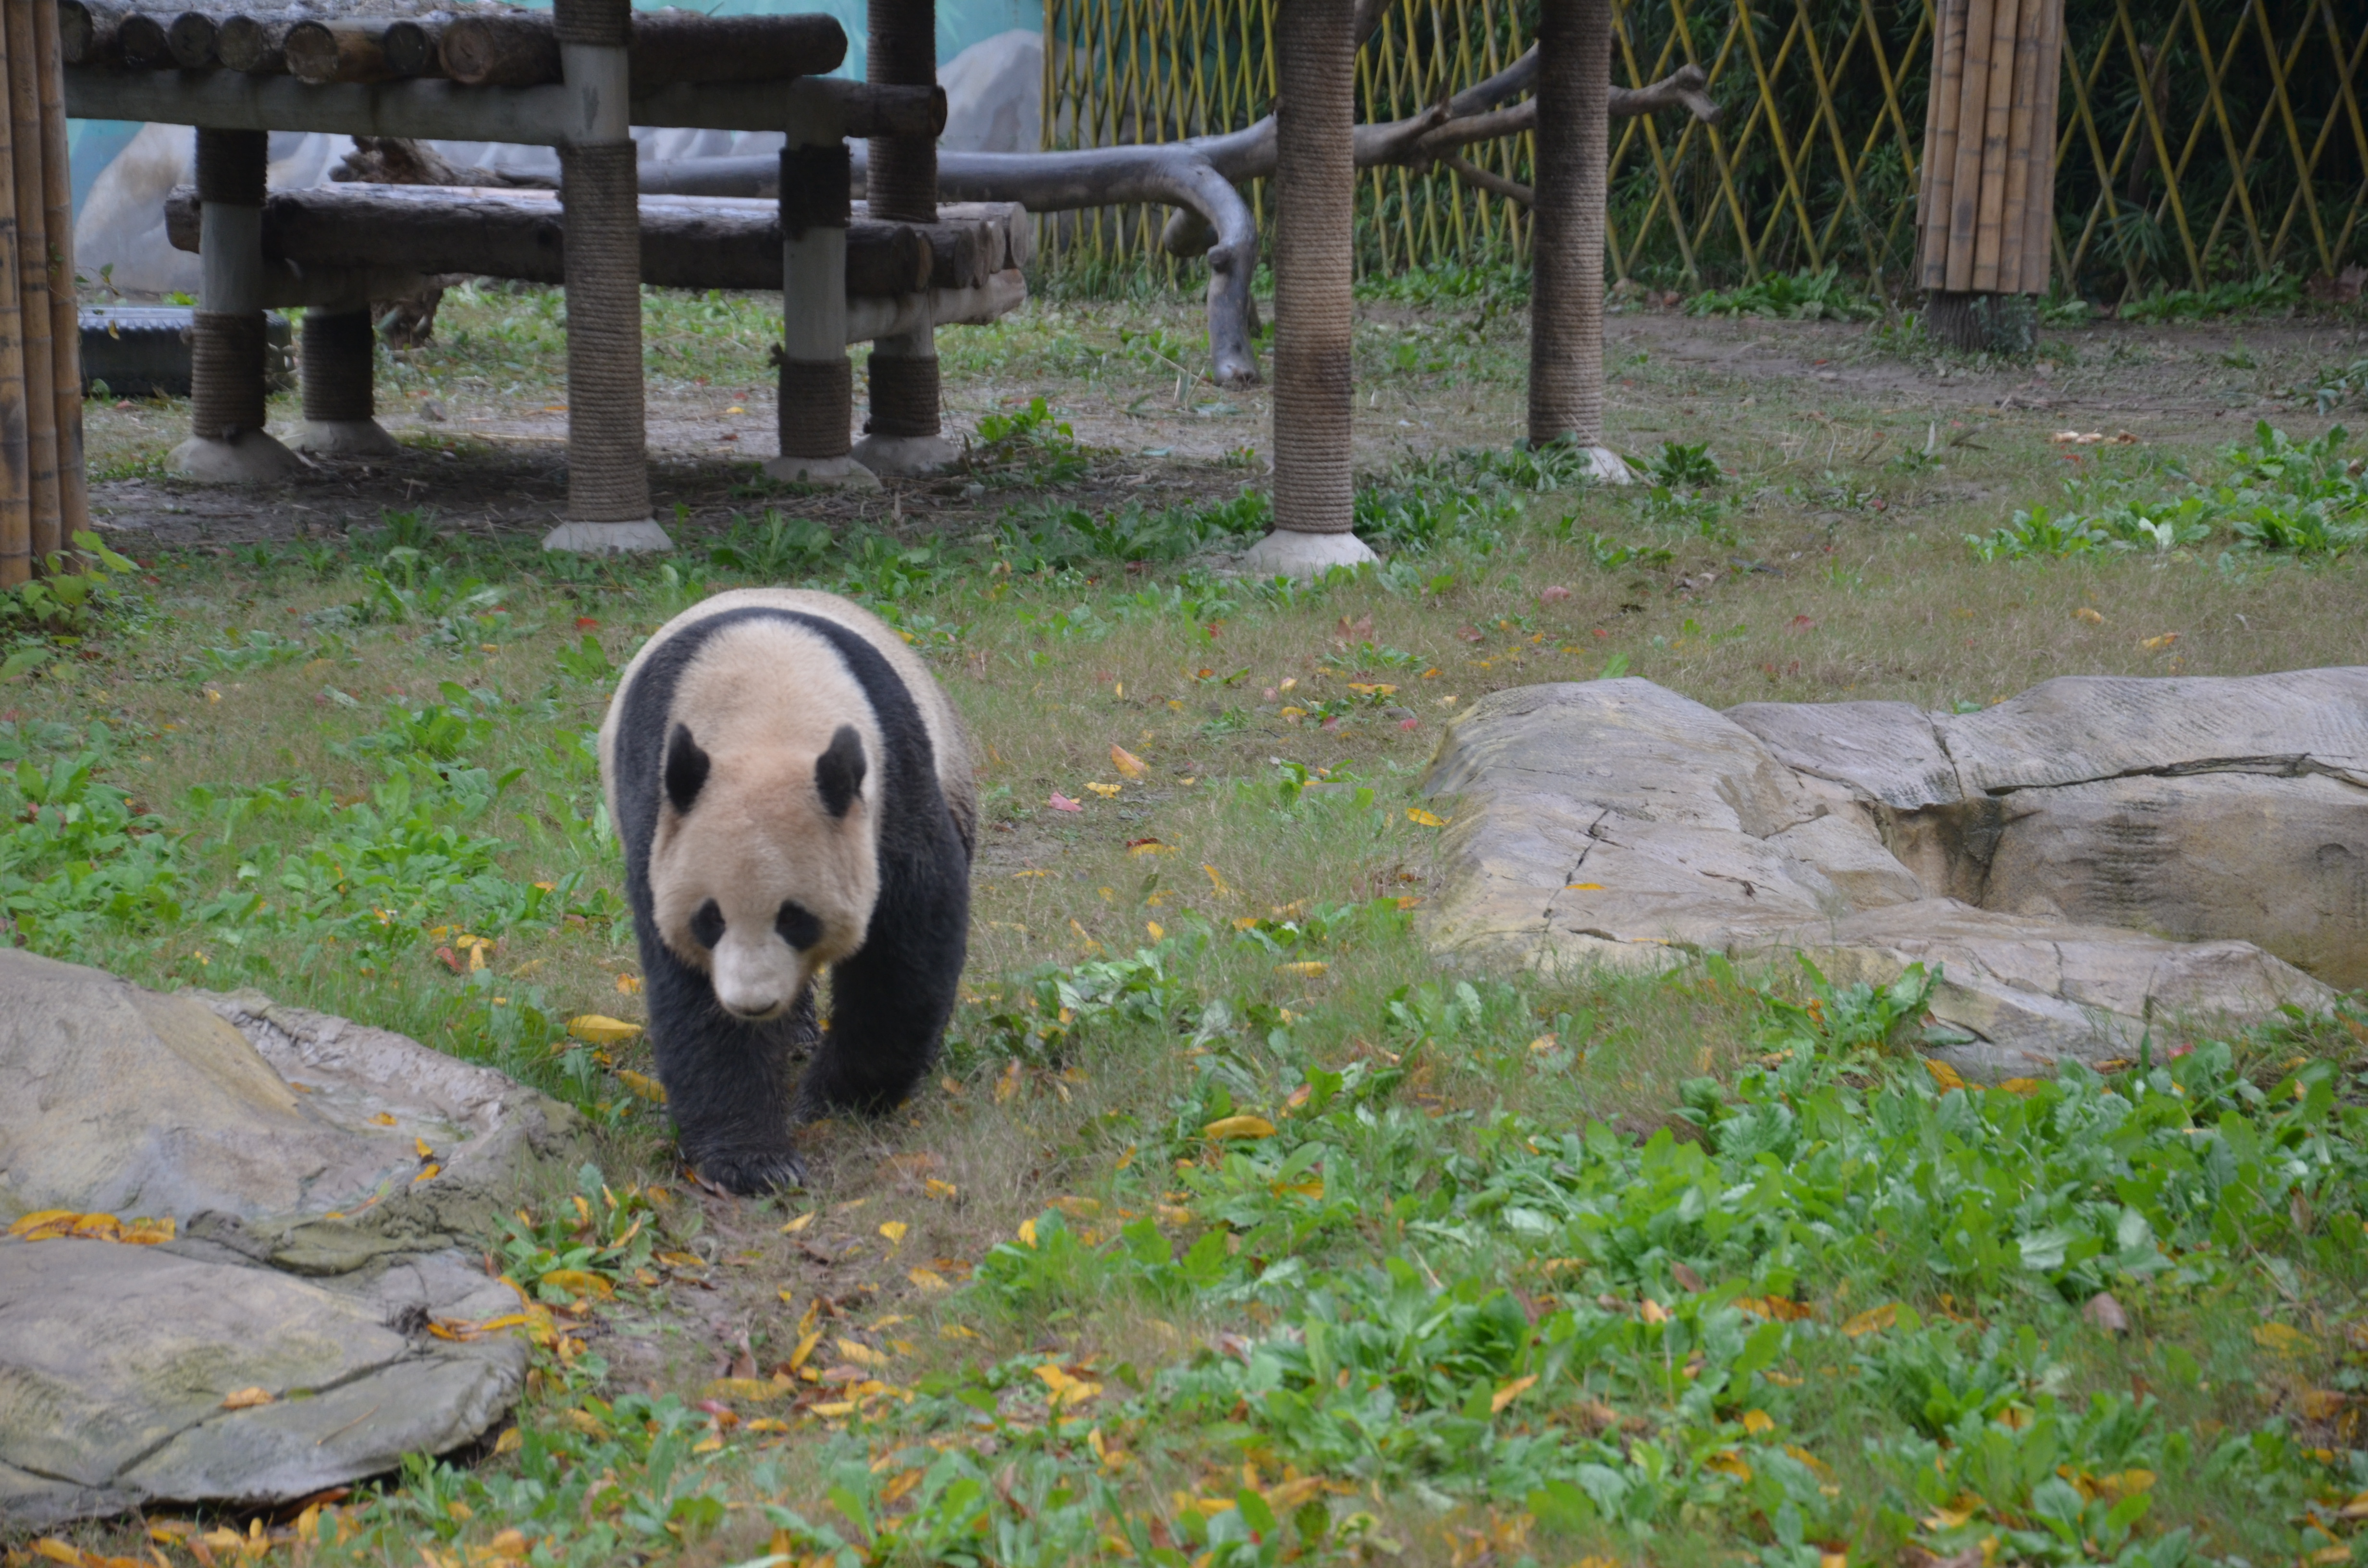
(755, 1015)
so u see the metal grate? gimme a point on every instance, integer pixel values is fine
(2197, 140)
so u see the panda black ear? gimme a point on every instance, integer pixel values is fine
(686, 768)
(839, 772)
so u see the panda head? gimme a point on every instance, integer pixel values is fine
(764, 865)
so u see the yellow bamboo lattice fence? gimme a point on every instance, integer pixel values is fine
(2197, 140)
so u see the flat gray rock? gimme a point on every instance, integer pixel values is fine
(2071, 884)
(311, 1245)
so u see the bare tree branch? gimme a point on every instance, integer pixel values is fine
(1471, 173)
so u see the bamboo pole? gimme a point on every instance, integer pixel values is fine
(1941, 140)
(2020, 133)
(1965, 189)
(1995, 111)
(16, 509)
(65, 314)
(2039, 222)
(33, 279)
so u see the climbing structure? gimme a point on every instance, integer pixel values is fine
(577, 79)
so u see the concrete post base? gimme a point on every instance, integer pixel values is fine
(608, 539)
(906, 457)
(842, 474)
(1303, 557)
(344, 438)
(249, 458)
(1603, 465)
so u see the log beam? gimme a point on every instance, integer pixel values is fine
(686, 242)
(235, 100)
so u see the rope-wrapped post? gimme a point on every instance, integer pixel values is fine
(335, 362)
(1566, 237)
(817, 383)
(904, 434)
(607, 469)
(227, 347)
(1314, 209)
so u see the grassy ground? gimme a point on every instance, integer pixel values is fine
(1234, 1230)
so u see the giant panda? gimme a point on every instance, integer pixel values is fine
(793, 791)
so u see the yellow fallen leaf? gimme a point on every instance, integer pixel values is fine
(862, 1355)
(1239, 1127)
(1653, 1312)
(1582, 887)
(1510, 1392)
(1107, 792)
(1007, 1083)
(894, 1230)
(1726, 1461)
(383, 1118)
(2326, 1556)
(956, 1331)
(512, 1439)
(1757, 1421)
(44, 1224)
(2322, 1404)
(1216, 883)
(1946, 1076)
(2281, 1338)
(57, 1550)
(98, 1228)
(936, 1188)
(597, 1028)
(1158, 932)
(427, 1173)
(247, 1399)
(425, 1152)
(800, 1222)
(927, 1279)
(1421, 818)
(579, 1282)
(1128, 764)
(2156, 644)
(1946, 1518)
(1309, 968)
(1873, 1321)
(148, 1232)
(2090, 616)
(629, 985)
(2020, 1086)
(1028, 1233)
(648, 1088)
(1078, 1207)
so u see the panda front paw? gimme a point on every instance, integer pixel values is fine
(752, 1175)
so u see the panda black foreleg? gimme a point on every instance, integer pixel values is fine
(889, 1003)
(728, 1083)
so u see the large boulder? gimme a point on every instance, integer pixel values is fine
(2189, 850)
(312, 1244)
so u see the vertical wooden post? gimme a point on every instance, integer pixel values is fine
(906, 427)
(66, 312)
(607, 461)
(16, 498)
(33, 277)
(1315, 236)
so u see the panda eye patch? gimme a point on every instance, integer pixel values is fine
(707, 924)
(797, 924)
